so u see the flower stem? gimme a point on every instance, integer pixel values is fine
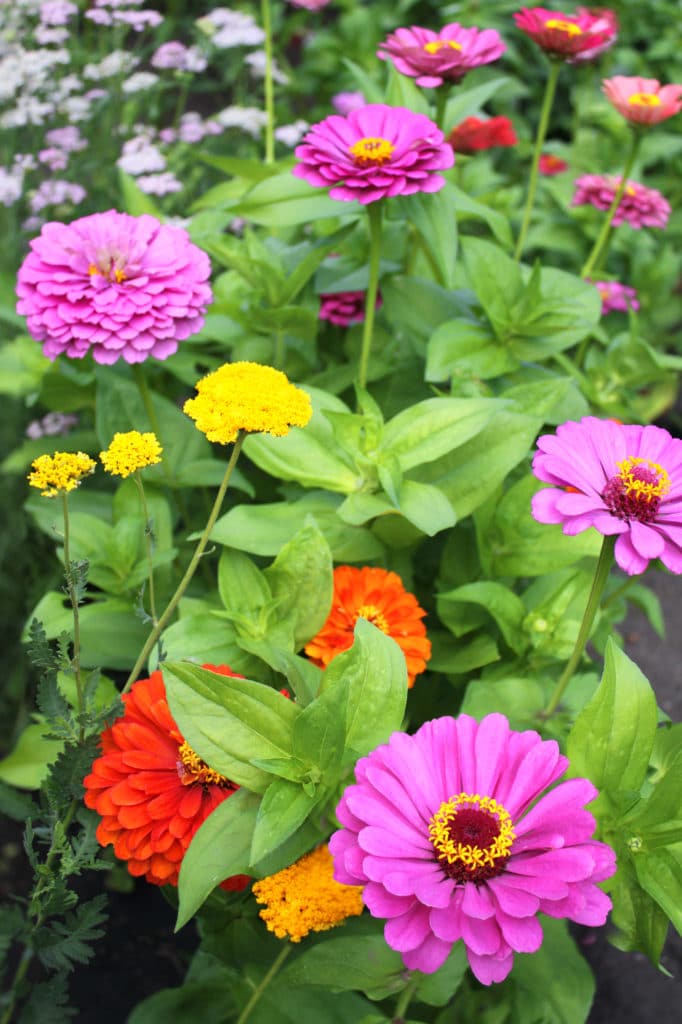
(547, 103)
(258, 992)
(601, 244)
(149, 544)
(191, 568)
(73, 597)
(442, 95)
(405, 998)
(269, 84)
(374, 211)
(601, 574)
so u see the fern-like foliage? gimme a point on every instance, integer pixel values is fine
(48, 1002)
(63, 944)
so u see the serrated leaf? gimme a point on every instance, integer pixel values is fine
(67, 943)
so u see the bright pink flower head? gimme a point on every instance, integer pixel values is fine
(310, 5)
(438, 830)
(475, 134)
(344, 308)
(624, 480)
(585, 33)
(616, 297)
(643, 100)
(436, 57)
(116, 285)
(640, 206)
(376, 151)
(550, 165)
(606, 24)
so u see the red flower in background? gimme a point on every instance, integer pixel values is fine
(550, 164)
(151, 789)
(475, 134)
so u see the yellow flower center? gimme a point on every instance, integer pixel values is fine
(192, 769)
(564, 26)
(644, 99)
(373, 615)
(112, 273)
(437, 45)
(371, 150)
(472, 836)
(305, 897)
(636, 491)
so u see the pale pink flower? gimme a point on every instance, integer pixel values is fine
(344, 102)
(643, 100)
(640, 207)
(445, 56)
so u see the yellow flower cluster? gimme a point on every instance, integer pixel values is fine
(130, 452)
(60, 472)
(305, 897)
(250, 397)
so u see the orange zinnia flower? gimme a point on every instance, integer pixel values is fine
(380, 597)
(151, 789)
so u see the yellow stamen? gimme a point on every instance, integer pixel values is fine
(192, 769)
(564, 26)
(644, 99)
(469, 855)
(636, 475)
(437, 45)
(373, 615)
(371, 150)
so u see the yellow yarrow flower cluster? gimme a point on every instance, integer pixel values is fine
(59, 473)
(131, 451)
(249, 397)
(306, 898)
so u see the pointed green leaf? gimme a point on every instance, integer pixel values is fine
(284, 808)
(300, 579)
(432, 428)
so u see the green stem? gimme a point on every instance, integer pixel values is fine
(149, 544)
(547, 103)
(374, 211)
(269, 84)
(258, 992)
(191, 568)
(601, 574)
(405, 998)
(601, 243)
(442, 95)
(73, 597)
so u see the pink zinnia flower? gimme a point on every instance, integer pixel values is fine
(436, 57)
(438, 830)
(643, 100)
(344, 308)
(585, 33)
(550, 165)
(310, 5)
(624, 480)
(376, 151)
(616, 296)
(113, 284)
(640, 206)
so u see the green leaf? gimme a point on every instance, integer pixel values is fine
(228, 721)
(135, 201)
(426, 507)
(301, 582)
(22, 365)
(319, 731)
(284, 808)
(465, 102)
(27, 765)
(434, 219)
(283, 200)
(313, 255)
(466, 350)
(242, 586)
(219, 849)
(437, 989)
(207, 638)
(612, 738)
(495, 278)
(468, 208)
(642, 923)
(363, 963)
(659, 872)
(519, 698)
(69, 942)
(16, 805)
(506, 608)
(542, 991)
(433, 428)
(403, 92)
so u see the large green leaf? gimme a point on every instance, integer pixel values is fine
(506, 607)
(284, 808)
(433, 428)
(357, 962)
(300, 579)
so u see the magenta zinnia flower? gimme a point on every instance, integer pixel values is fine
(376, 151)
(115, 285)
(640, 206)
(643, 100)
(568, 36)
(453, 835)
(436, 57)
(616, 296)
(344, 308)
(624, 480)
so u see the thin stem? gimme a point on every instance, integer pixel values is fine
(405, 998)
(258, 992)
(191, 568)
(601, 243)
(601, 574)
(547, 103)
(442, 95)
(269, 84)
(73, 597)
(374, 211)
(149, 544)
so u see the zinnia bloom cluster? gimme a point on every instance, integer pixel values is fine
(249, 397)
(616, 297)
(640, 207)
(380, 597)
(375, 152)
(151, 789)
(114, 285)
(622, 480)
(306, 898)
(580, 36)
(475, 134)
(131, 451)
(59, 473)
(455, 834)
(433, 58)
(344, 308)
(643, 100)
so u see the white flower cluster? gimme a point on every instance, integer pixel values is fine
(227, 28)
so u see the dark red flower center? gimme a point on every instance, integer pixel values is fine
(636, 491)
(472, 836)
(192, 769)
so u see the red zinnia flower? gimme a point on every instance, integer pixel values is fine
(550, 164)
(380, 597)
(475, 134)
(151, 789)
